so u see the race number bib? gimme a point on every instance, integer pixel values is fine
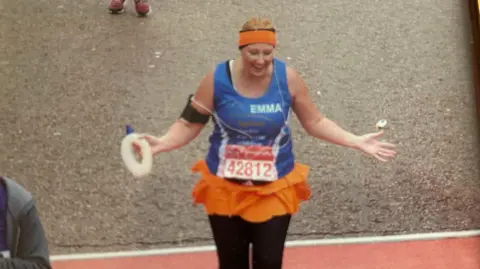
(249, 163)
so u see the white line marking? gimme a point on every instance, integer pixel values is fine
(296, 243)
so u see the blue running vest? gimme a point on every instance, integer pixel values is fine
(251, 139)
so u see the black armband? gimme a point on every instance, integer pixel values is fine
(192, 115)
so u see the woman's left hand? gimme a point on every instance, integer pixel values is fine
(369, 144)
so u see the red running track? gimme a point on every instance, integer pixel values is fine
(460, 253)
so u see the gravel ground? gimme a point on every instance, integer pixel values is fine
(72, 75)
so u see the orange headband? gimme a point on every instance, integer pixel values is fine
(257, 36)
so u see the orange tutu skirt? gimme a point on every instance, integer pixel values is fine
(252, 203)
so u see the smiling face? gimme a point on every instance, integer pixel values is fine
(257, 58)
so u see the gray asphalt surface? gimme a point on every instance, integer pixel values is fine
(72, 75)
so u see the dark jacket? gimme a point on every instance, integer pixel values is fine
(24, 231)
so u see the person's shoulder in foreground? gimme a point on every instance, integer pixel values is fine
(23, 243)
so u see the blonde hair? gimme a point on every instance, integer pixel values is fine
(257, 23)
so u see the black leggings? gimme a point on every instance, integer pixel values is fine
(233, 236)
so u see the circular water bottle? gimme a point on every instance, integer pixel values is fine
(138, 168)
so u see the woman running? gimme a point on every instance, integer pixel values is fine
(250, 183)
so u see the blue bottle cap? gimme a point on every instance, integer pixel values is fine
(129, 129)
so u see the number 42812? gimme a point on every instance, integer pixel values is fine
(249, 169)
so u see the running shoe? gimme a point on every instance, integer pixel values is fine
(142, 7)
(116, 6)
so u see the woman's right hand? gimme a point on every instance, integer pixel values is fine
(154, 142)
